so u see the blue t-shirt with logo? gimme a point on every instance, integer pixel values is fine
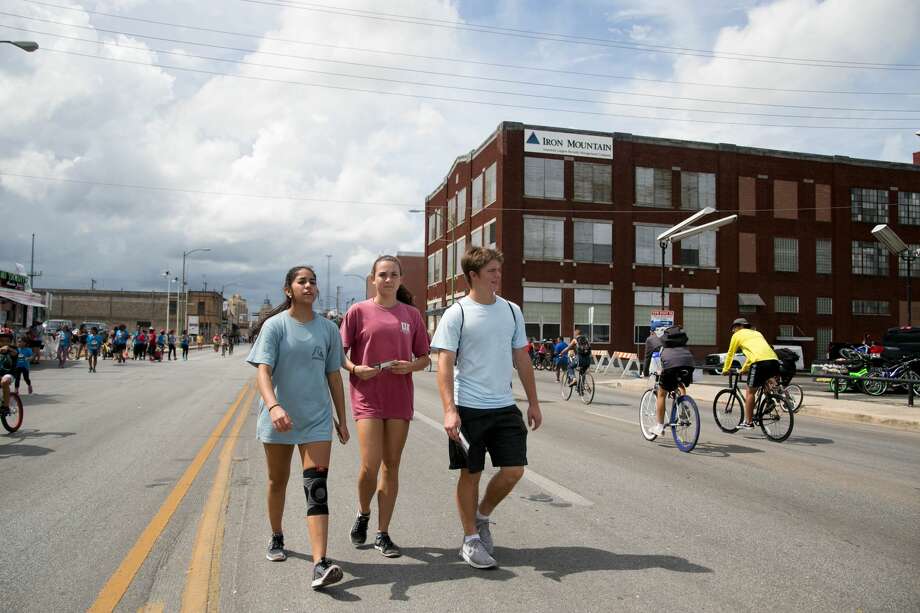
(24, 354)
(93, 342)
(482, 377)
(64, 338)
(300, 355)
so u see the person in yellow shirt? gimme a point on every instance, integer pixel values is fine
(761, 363)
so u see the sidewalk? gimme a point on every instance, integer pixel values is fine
(849, 407)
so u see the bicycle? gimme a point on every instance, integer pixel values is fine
(584, 385)
(773, 409)
(12, 417)
(684, 420)
(796, 395)
(902, 370)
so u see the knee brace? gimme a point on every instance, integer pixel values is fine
(314, 487)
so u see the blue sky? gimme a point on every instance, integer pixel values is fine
(219, 130)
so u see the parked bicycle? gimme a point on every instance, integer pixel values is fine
(12, 417)
(773, 408)
(902, 370)
(684, 419)
(584, 386)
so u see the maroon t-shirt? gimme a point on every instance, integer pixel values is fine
(372, 334)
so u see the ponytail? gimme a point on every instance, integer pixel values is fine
(404, 295)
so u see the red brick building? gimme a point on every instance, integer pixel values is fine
(576, 214)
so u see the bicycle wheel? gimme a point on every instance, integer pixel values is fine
(13, 420)
(685, 423)
(728, 410)
(875, 388)
(913, 377)
(587, 388)
(647, 415)
(564, 387)
(775, 423)
(796, 395)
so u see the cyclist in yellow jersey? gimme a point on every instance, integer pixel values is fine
(761, 363)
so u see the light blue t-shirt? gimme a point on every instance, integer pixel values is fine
(482, 376)
(93, 342)
(300, 354)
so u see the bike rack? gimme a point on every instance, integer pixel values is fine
(910, 388)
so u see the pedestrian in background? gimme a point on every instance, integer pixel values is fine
(64, 337)
(184, 341)
(298, 355)
(22, 364)
(93, 345)
(171, 343)
(385, 342)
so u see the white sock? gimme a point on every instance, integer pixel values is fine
(467, 539)
(481, 517)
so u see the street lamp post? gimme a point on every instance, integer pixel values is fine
(184, 288)
(26, 45)
(898, 247)
(169, 281)
(682, 230)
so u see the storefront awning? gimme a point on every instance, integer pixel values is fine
(750, 300)
(22, 297)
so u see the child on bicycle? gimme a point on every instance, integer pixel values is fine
(8, 358)
(582, 361)
(676, 370)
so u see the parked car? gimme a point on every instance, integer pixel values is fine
(714, 361)
(52, 326)
(101, 326)
(901, 343)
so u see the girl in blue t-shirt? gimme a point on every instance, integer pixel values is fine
(93, 345)
(22, 364)
(299, 355)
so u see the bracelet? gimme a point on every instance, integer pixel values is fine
(354, 367)
(277, 404)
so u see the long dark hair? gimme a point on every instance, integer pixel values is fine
(402, 294)
(288, 301)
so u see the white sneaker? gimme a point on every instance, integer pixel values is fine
(658, 429)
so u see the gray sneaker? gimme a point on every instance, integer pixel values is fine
(276, 549)
(485, 535)
(475, 554)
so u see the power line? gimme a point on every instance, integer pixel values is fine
(429, 85)
(477, 102)
(444, 74)
(577, 208)
(478, 62)
(561, 38)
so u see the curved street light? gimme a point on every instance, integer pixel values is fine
(26, 45)
(183, 288)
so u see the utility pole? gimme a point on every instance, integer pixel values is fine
(338, 298)
(92, 284)
(32, 273)
(328, 282)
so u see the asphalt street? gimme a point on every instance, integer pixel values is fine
(109, 498)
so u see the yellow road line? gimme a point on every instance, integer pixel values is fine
(151, 607)
(115, 588)
(202, 583)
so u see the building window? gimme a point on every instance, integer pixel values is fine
(644, 302)
(451, 212)
(434, 225)
(653, 187)
(747, 252)
(914, 266)
(786, 304)
(747, 195)
(491, 185)
(909, 208)
(434, 268)
(786, 330)
(593, 182)
(201, 310)
(489, 235)
(786, 254)
(647, 249)
(459, 250)
(699, 250)
(542, 312)
(871, 307)
(822, 202)
(461, 206)
(593, 241)
(869, 205)
(700, 318)
(697, 190)
(544, 178)
(477, 194)
(823, 257)
(476, 237)
(869, 258)
(785, 199)
(543, 238)
(824, 305)
(823, 338)
(598, 328)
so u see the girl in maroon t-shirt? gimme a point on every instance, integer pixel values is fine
(385, 342)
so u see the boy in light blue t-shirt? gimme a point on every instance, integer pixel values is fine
(481, 340)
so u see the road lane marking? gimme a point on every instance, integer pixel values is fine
(557, 490)
(115, 588)
(631, 422)
(202, 581)
(152, 607)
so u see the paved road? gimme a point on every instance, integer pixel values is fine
(605, 520)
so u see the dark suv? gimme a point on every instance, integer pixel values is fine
(901, 343)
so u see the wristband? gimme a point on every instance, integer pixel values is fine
(277, 404)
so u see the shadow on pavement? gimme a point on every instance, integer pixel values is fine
(39, 399)
(441, 565)
(722, 451)
(811, 441)
(14, 449)
(23, 434)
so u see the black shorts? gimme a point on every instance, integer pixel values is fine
(582, 361)
(501, 432)
(762, 371)
(671, 378)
